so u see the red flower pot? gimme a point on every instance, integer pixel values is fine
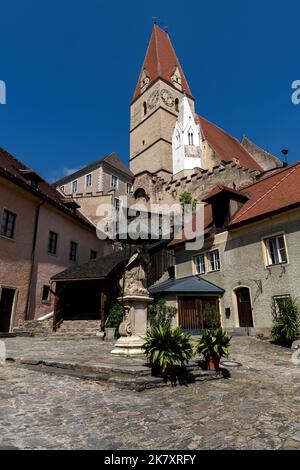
(212, 363)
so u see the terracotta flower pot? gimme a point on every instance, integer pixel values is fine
(212, 363)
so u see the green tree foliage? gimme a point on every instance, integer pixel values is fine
(161, 314)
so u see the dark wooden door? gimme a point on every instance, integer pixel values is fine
(191, 311)
(6, 306)
(244, 307)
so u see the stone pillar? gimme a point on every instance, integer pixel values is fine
(134, 325)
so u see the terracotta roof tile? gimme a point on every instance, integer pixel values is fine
(112, 160)
(17, 172)
(161, 61)
(273, 193)
(226, 146)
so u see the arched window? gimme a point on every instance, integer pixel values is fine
(177, 105)
(145, 108)
(191, 137)
(177, 139)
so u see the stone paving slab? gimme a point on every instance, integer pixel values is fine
(92, 360)
(257, 408)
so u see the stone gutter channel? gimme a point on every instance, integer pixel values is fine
(136, 378)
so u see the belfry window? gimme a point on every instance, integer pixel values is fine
(191, 137)
(145, 108)
(177, 105)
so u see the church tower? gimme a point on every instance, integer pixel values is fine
(155, 107)
(186, 141)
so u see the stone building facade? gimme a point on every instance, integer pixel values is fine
(255, 254)
(42, 232)
(103, 182)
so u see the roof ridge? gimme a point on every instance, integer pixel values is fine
(240, 213)
(156, 49)
(227, 134)
(277, 170)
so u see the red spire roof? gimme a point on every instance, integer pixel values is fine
(160, 61)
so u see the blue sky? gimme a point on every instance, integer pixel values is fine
(71, 66)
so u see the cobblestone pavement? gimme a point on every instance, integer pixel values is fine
(257, 408)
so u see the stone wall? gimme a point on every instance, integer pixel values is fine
(199, 183)
(243, 264)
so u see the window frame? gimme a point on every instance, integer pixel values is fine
(209, 269)
(48, 300)
(200, 255)
(72, 255)
(13, 229)
(111, 182)
(129, 186)
(88, 178)
(117, 204)
(72, 186)
(191, 136)
(266, 250)
(56, 243)
(276, 307)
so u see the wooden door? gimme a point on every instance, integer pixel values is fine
(187, 313)
(6, 306)
(244, 307)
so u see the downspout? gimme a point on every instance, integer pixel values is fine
(32, 257)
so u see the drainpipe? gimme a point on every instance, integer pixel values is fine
(32, 257)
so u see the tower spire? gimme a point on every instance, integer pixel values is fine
(161, 62)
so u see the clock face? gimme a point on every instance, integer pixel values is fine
(167, 97)
(153, 99)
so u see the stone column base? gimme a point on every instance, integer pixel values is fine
(129, 346)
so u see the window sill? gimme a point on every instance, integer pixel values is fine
(285, 263)
(8, 238)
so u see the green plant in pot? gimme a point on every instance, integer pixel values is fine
(286, 325)
(167, 348)
(213, 346)
(113, 321)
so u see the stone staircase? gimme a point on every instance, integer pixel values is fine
(77, 329)
(34, 328)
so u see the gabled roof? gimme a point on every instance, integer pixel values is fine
(94, 269)
(268, 196)
(15, 171)
(226, 146)
(190, 284)
(272, 194)
(221, 189)
(113, 160)
(160, 62)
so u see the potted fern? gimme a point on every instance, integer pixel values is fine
(213, 345)
(167, 349)
(286, 326)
